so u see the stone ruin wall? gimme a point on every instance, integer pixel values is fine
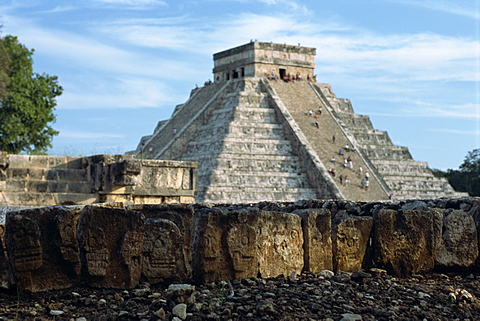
(28, 180)
(118, 246)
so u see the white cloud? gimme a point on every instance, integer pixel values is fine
(465, 8)
(413, 57)
(467, 111)
(60, 9)
(128, 92)
(66, 133)
(422, 109)
(455, 131)
(134, 2)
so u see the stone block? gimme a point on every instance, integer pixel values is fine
(124, 173)
(166, 250)
(161, 260)
(76, 187)
(245, 243)
(351, 238)
(6, 276)
(404, 241)
(210, 257)
(16, 185)
(73, 198)
(281, 243)
(317, 238)
(42, 247)
(69, 174)
(457, 240)
(111, 243)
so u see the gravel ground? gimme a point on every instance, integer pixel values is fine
(344, 296)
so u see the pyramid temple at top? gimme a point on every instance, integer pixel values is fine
(265, 130)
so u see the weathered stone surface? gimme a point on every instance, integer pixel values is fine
(166, 250)
(242, 245)
(209, 250)
(180, 293)
(52, 180)
(457, 242)
(111, 243)
(42, 248)
(316, 225)
(113, 246)
(350, 243)
(281, 243)
(404, 241)
(161, 259)
(246, 243)
(6, 276)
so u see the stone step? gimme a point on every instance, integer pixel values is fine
(242, 195)
(356, 122)
(56, 174)
(264, 163)
(234, 129)
(39, 161)
(416, 194)
(45, 186)
(383, 152)
(256, 179)
(369, 137)
(252, 99)
(240, 146)
(251, 115)
(402, 168)
(48, 199)
(422, 185)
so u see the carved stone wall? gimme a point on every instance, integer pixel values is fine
(117, 246)
(27, 180)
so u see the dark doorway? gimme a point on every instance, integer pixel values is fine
(243, 72)
(235, 74)
(283, 73)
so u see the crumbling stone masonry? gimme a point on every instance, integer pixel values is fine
(27, 180)
(116, 246)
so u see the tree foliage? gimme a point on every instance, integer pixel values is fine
(27, 101)
(467, 177)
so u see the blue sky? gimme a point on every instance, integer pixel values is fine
(412, 66)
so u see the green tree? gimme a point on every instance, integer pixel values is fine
(467, 177)
(27, 102)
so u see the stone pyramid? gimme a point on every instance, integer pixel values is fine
(263, 131)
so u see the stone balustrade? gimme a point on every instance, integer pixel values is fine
(116, 246)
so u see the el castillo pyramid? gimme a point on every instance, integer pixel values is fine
(265, 130)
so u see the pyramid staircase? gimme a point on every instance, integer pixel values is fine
(243, 153)
(406, 177)
(300, 97)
